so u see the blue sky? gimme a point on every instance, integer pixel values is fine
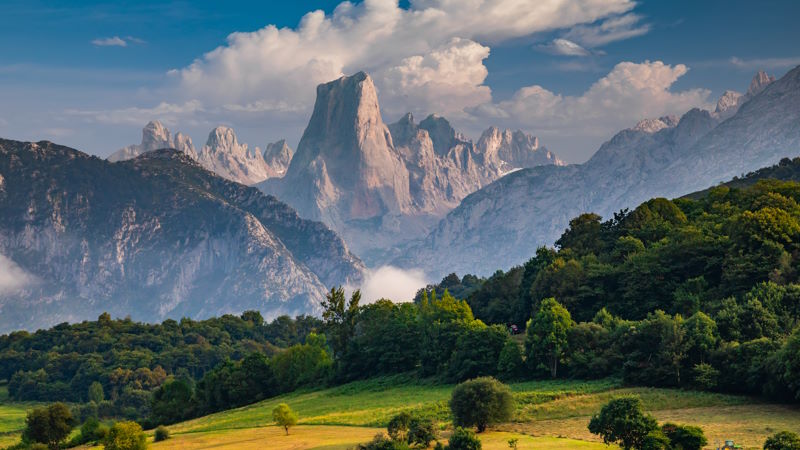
(90, 74)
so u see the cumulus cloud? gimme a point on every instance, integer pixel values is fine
(432, 52)
(392, 283)
(12, 277)
(563, 47)
(630, 92)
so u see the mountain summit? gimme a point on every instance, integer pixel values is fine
(381, 185)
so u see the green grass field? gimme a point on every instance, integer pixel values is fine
(550, 415)
(12, 418)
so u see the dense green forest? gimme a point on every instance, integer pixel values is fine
(699, 292)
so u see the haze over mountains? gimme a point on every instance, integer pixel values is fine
(502, 224)
(153, 237)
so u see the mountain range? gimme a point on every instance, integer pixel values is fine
(502, 224)
(152, 237)
(380, 186)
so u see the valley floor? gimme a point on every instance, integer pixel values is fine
(550, 415)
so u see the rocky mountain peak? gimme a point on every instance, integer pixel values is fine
(441, 132)
(278, 155)
(728, 102)
(759, 82)
(230, 159)
(655, 125)
(155, 136)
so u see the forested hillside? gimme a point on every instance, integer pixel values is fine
(697, 292)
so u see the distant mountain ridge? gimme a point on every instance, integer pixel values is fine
(153, 237)
(502, 224)
(222, 153)
(381, 185)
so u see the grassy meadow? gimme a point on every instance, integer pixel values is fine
(550, 415)
(12, 418)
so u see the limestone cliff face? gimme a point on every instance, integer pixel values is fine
(153, 237)
(502, 224)
(380, 186)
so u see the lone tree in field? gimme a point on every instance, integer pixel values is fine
(622, 421)
(785, 440)
(284, 416)
(125, 436)
(49, 425)
(481, 402)
(546, 340)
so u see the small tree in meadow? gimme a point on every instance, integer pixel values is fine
(284, 416)
(622, 421)
(481, 402)
(125, 436)
(49, 425)
(161, 434)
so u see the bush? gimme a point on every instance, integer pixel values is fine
(161, 433)
(481, 402)
(411, 430)
(381, 442)
(125, 436)
(656, 440)
(785, 440)
(685, 437)
(463, 439)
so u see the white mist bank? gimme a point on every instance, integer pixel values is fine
(389, 282)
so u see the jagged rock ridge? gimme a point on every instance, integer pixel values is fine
(222, 153)
(153, 237)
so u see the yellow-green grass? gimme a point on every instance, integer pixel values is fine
(374, 402)
(330, 437)
(12, 418)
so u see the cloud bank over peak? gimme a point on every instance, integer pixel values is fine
(630, 92)
(12, 277)
(427, 58)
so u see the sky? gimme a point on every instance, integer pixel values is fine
(573, 72)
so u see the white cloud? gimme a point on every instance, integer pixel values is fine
(12, 277)
(169, 113)
(609, 30)
(444, 40)
(563, 47)
(115, 41)
(392, 283)
(618, 100)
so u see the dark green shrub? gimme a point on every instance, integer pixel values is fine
(685, 437)
(785, 440)
(49, 425)
(621, 421)
(463, 439)
(161, 433)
